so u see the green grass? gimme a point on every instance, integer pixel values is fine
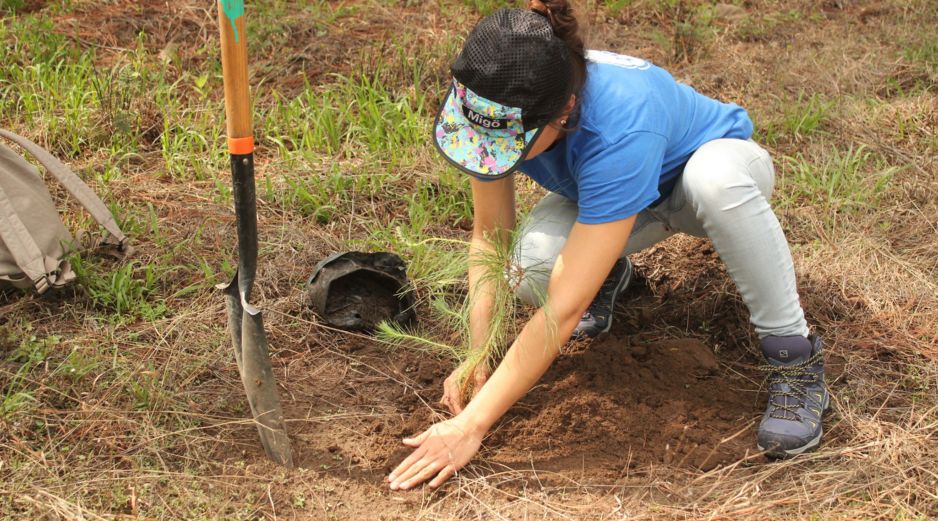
(806, 115)
(18, 395)
(801, 118)
(46, 82)
(349, 117)
(614, 7)
(12, 5)
(925, 52)
(756, 26)
(487, 7)
(125, 291)
(139, 353)
(849, 180)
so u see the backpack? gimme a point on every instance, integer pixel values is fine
(34, 243)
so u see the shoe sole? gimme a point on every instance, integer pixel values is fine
(808, 447)
(781, 454)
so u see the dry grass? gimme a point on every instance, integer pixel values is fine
(110, 416)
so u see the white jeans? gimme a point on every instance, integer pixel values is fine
(723, 194)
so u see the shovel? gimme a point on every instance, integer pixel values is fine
(244, 320)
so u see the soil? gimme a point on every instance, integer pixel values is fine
(626, 405)
(361, 301)
(612, 407)
(620, 405)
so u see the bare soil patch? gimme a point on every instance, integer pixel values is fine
(628, 405)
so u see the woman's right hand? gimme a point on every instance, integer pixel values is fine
(453, 397)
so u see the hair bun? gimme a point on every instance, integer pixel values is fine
(562, 20)
(566, 27)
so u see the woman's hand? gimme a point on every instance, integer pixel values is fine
(453, 397)
(441, 450)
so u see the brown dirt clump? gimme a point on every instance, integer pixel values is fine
(610, 408)
(620, 405)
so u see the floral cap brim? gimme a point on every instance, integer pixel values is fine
(481, 137)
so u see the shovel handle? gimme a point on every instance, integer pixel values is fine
(234, 62)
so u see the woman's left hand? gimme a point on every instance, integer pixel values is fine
(441, 450)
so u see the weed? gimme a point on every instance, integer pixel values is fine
(806, 115)
(78, 364)
(485, 7)
(348, 117)
(12, 5)
(691, 29)
(801, 119)
(847, 180)
(15, 403)
(18, 398)
(925, 53)
(125, 292)
(614, 7)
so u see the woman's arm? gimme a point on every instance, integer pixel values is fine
(493, 220)
(586, 259)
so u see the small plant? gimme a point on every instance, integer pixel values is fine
(691, 28)
(77, 364)
(125, 292)
(614, 7)
(12, 5)
(500, 273)
(807, 115)
(18, 397)
(800, 119)
(845, 181)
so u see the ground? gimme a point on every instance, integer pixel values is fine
(120, 396)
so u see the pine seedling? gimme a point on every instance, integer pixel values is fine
(449, 332)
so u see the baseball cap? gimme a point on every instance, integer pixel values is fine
(511, 77)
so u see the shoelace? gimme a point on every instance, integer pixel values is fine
(586, 316)
(791, 381)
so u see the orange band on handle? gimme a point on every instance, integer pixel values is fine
(241, 145)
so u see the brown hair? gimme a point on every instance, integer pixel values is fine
(567, 28)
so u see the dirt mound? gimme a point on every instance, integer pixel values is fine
(608, 409)
(616, 406)
(643, 402)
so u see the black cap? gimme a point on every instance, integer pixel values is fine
(514, 58)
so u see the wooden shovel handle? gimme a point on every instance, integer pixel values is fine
(234, 62)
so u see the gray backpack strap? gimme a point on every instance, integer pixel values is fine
(75, 186)
(25, 252)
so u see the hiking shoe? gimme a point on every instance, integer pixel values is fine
(798, 397)
(598, 317)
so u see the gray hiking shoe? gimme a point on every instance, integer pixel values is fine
(598, 317)
(798, 397)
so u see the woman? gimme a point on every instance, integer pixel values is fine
(629, 157)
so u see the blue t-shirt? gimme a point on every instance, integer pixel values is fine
(637, 128)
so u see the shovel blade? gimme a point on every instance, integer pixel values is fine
(235, 313)
(249, 341)
(261, 389)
